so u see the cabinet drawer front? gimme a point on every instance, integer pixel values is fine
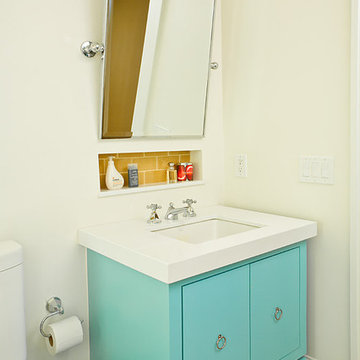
(215, 306)
(275, 306)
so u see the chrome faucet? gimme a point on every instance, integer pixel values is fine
(173, 213)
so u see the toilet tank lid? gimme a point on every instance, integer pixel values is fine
(10, 254)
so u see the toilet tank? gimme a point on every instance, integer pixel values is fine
(12, 314)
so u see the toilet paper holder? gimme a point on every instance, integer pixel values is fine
(53, 307)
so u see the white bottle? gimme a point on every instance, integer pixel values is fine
(114, 179)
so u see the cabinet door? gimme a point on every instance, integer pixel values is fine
(275, 306)
(215, 306)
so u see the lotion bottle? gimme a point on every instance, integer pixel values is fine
(113, 180)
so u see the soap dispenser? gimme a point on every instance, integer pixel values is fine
(114, 180)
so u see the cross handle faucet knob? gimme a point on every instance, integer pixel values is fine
(154, 217)
(154, 207)
(189, 202)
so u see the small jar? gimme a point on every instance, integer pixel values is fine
(189, 171)
(133, 175)
(171, 174)
(181, 172)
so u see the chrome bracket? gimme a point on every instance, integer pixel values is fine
(90, 49)
(53, 307)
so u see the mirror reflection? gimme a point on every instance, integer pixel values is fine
(156, 68)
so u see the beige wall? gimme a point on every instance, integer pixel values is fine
(49, 101)
(286, 94)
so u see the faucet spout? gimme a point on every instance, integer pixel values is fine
(173, 213)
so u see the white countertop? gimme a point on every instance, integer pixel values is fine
(132, 243)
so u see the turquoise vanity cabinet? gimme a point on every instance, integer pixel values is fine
(278, 306)
(252, 310)
(213, 307)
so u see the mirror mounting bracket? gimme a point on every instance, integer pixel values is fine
(90, 49)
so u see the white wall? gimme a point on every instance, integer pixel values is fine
(286, 94)
(49, 100)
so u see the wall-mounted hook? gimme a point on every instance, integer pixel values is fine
(90, 49)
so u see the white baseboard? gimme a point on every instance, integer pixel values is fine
(309, 357)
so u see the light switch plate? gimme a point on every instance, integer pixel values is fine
(317, 169)
(241, 165)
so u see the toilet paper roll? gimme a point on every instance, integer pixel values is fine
(64, 334)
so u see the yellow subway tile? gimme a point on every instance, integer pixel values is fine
(146, 163)
(106, 156)
(141, 177)
(163, 161)
(171, 153)
(185, 158)
(102, 182)
(153, 177)
(126, 179)
(102, 166)
(160, 153)
(130, 155)
(122, 164)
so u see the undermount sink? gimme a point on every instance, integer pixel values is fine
(176, 250)
(205, 230)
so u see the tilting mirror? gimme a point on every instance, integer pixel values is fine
(156, 67)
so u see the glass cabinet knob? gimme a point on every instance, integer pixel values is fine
(221, 342)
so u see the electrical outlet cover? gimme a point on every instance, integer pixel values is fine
(241, 165)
